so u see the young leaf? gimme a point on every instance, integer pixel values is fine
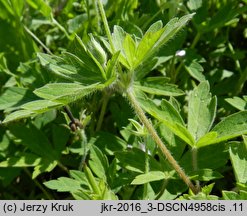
(110, 67)
(201, 110)
(153, 40)
(97, 51)
(129, 46)
(118, 37)
(155, 27)
(144, 48)
(139, 129)
(194, 4)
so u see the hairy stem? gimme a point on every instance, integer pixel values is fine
(195, 41)
(106, 26)
(195, 165)
(140, 113)
(38, 40)
(103, 110)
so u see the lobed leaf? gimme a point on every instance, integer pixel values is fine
(40, 106)
(110, 67)
(98, 162)
(205, 175)
(157, 89)
(170, 117)
(66, 92)
(14, 97)
(168, 32)
(230, 127)
(129, 47)
(149, 177)
(231, 195)
(238, 156)
(134, 160)
(17, 115)
(118, 37)
(32, 109)
(239, 103)
(23, 160)
(195, 70)
(201, 110)
(72, 68)
(63, 184)
(44, 166)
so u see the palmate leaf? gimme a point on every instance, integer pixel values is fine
(72, 68)
(170, 117)
(155, 38)
(208, 157)
(135, 53)
(43, 155)
(80, 65)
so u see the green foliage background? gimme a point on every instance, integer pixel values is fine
(189, 76)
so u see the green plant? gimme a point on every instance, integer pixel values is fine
(139, 67)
